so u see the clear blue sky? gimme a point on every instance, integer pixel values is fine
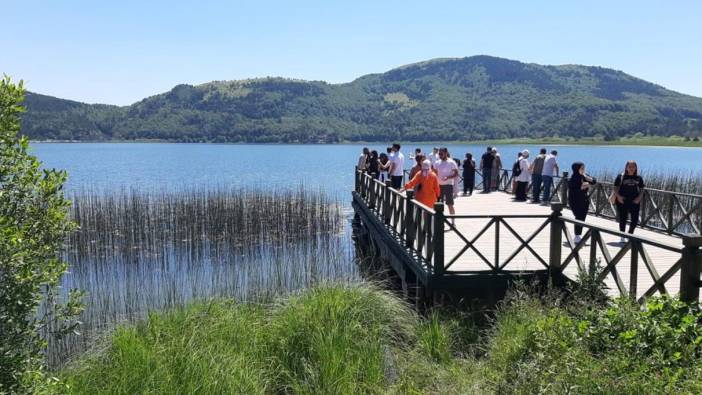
(119, 52)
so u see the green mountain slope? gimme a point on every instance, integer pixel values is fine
(478, 97)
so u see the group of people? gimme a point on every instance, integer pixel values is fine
(435, 176)
(627, 195)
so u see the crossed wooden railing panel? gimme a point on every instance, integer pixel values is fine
(495, 223)
(421, 231)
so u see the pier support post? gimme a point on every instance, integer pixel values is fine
(387, 213)
(410, 229)
(556, 241)
(371, 194)
(438, 239)
(690, 269)
(357, 183)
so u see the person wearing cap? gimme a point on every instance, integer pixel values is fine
(425, 184)
(523, 178)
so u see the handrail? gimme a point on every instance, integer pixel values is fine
(420, 229)
(674, 213)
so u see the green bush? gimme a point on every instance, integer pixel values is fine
(33, 226)
(621, 348)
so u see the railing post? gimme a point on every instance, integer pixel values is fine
(386, 202)
(438, 239)
(497, 243)
(644, 205)
(556, 240)
(690, 269)
(564, 189)
(409, 219)
(634, 268)
(671, 203)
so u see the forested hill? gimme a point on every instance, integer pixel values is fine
(472, 98)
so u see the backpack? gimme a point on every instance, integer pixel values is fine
(516, 169)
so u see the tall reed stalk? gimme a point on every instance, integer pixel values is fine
(137, 251)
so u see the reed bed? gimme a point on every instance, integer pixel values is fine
(137, 252)
(146, 221)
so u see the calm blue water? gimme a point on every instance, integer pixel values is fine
(109, 166)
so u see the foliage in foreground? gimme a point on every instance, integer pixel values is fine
(33, 225)
(539, 347)
(331, 339)
(355, 339)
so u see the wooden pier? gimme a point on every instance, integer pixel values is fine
(493, 240)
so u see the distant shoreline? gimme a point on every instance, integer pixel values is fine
(638, 142)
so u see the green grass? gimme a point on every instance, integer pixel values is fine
(347, 339)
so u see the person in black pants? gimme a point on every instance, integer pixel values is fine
(486, 166)
(628, 191)
(373, 163)
(578, 200)
(468, 174)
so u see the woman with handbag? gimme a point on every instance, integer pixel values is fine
(628, 193)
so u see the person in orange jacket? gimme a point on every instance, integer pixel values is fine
(425, 184)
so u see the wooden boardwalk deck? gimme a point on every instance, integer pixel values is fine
(502, 204)
(492, 239)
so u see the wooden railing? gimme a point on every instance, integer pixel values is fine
(674, 213)
(421, 231)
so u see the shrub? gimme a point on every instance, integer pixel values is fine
(33, 226)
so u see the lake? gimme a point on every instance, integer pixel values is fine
(113, 166)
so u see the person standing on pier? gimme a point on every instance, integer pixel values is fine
(373, 164)
(486, 167)
(515, 172)
(447, 171)
(523, 178)
(578, 186)
(537, 167)
(398, 167)
(550, 170)
(418, 167)
(383, 166)
(629, 191)
(363, 159)
(468, 174)
(434, 156)
(496, 169)
(425, 184)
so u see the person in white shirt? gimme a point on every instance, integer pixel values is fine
(434, 156)
(446, 171)
(398, 167)
(523, 178)
(549, 171)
